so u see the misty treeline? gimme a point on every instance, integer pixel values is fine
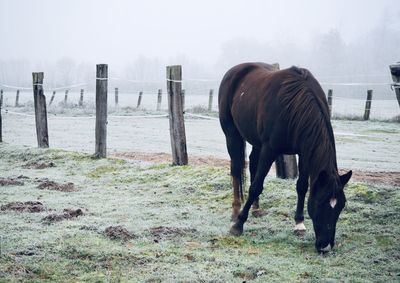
(328, 56)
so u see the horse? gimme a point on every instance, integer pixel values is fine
(282, 112)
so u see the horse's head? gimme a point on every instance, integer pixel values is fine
(325, 203)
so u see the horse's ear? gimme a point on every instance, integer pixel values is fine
(323, 178)
(344, 179)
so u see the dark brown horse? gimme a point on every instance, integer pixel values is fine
(282, 112)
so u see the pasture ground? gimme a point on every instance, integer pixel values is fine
(67, 217)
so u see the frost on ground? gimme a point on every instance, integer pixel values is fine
(361, 145)
(146, 222)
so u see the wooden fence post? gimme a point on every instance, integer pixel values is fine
(116, 96)
(81, 97)
(183, 100)
(159, 99)
(395, 71)
(210, 100)
(1, 123)
(40, 110)
(66, 97)
(101, 110)
(139, 101)
(52, 97)
(285, 165)
(176, 120)
(17, 99)
(330, 91)
(368, 104)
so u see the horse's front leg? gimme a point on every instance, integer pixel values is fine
(301, 188)
(266, 159)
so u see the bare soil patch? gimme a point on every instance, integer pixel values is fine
(380, 177)
(118, 233)
(10, 182)
(67, 214)
(38, 165)
(162, 157)
(386, 178)
(163, 232)
(28, 206)
(51, 185)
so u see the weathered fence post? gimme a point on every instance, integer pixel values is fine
(176, 120)
(183, 100)
(159, 99)
(330, 91)
(66, 97)
(395, 71)
(101, 110)
(368, 104)
(210, 100)
(40, 110)
(116, 96)
(17, 99)
(52, 97)
(1, 123)
(285, 165)
(139, 101)
(81, 97)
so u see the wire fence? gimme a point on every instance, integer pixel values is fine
(348, 97)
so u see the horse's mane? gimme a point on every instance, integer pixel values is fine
(307, 113)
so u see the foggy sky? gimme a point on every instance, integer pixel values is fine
(118, 31)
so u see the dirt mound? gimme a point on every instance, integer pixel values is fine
(38, 165)
(11, 182)
(28, 206)
(163, 232)
(118, 233)
(51, 185)
(67, 214)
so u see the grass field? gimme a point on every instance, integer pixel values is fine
(142, 222)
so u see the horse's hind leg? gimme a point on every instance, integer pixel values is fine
(254, 157)
(267, 157)
(236, 149)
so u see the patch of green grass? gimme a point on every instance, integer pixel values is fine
(100, 171)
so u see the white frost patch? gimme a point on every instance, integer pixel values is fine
(300, 227)
(333, 202)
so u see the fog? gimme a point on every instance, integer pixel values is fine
(337, 40)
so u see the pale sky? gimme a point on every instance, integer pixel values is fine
(120, 30)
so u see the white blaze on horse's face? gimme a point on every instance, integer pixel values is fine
(333, 202)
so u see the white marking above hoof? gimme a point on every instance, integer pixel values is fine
(327, 248)
(300, 227)
(333, 202)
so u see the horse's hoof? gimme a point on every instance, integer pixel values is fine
(300, 233)
(236, 229)
(300, 230)
(258, 212)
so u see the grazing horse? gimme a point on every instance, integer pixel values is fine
(282, 112)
